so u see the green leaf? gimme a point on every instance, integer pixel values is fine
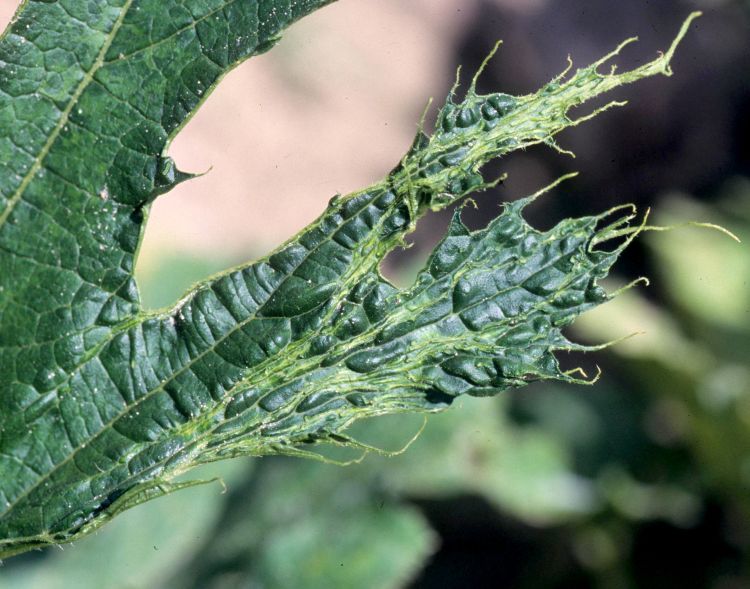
(103, 404)
(477, 449)
(723, 271)
(304, 524)
(137, 550)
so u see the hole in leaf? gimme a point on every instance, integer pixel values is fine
(402, 265)
(166, 278)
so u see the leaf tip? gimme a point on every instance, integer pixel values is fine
(483, 66)
(669, 54)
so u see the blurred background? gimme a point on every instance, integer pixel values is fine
(640, 481)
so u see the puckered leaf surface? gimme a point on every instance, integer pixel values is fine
(102, 404)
